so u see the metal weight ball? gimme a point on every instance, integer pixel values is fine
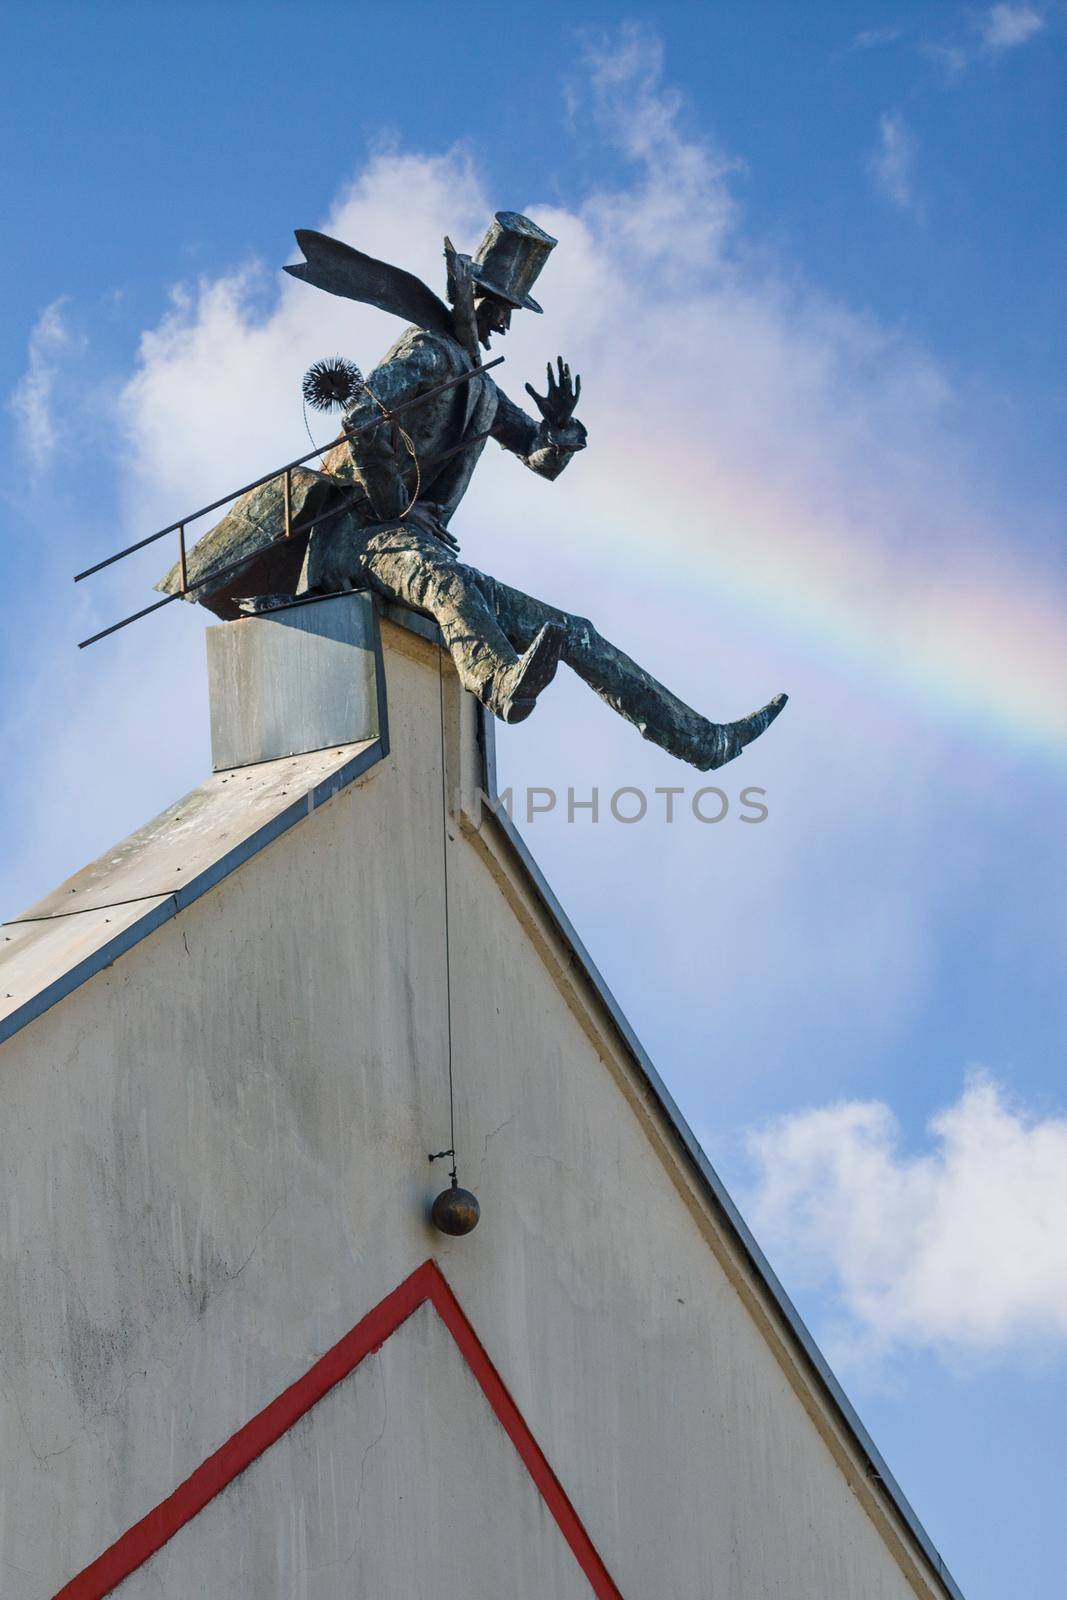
(455, 1211)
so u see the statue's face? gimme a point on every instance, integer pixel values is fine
(493, 316)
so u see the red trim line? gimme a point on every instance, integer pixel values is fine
(511, 1420)
(427, 1282)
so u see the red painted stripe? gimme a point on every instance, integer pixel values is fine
(511, 1419)
(249, 1442)
(427, 1282)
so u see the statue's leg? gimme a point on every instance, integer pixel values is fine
(627, 688)
(416, 570)
(333, 555)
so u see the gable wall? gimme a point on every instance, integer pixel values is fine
(215, 1163)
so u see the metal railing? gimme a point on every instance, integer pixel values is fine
(285, 473)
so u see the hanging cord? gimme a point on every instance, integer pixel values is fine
(448, 949)
(398, 431)
(360, 383)
(311, 436)
(409, 444)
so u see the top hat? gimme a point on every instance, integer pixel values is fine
(510, 257)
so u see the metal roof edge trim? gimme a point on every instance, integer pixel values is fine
(710, 1178)
(75, 976)
(178, 899)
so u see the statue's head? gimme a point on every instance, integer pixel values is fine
(504, 268)
(493, 315)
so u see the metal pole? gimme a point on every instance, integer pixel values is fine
(181, 558)
(115, 626)
(287, 493)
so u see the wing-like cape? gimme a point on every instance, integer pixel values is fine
(339, 269)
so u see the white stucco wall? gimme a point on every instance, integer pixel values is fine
(214, 1163)
(397, 1483)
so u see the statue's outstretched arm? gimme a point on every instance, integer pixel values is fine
(544, 447)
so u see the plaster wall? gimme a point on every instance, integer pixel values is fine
(214, 1163)
(397, 1483)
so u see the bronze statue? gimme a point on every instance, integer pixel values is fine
(383, 506)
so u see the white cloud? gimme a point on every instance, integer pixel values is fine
(1005, 26)
(686, 209)
(962, 1247)
(992, 31)
(953, 59)
(51, 344)
(893, 161)
(874, 38)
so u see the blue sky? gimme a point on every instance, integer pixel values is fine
(811, 269)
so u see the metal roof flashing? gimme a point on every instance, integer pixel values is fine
(298, 712)
(123, 896)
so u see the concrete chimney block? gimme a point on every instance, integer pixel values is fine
(301, 678)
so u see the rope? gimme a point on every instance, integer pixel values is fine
(409, 443)
(319, 447)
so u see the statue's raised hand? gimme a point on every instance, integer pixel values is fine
(557, 406)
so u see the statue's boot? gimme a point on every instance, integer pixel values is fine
(258, 605)
(515, 690)
(728, 739)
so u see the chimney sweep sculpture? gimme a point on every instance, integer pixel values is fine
(379, 515)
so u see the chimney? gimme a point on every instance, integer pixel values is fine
(305, 677)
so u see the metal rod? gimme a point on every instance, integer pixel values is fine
(287, 495)
(464, 444)
(115, 626)
(221, 572)
(183, 569)
(449, 383)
